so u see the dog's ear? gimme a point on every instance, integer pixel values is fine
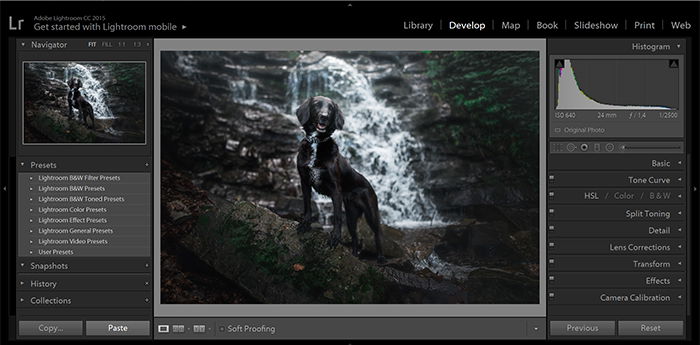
(304, 111)
(339, 119)
(78, 83)
(70, 82)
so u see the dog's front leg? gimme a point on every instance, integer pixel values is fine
(70, 103)
(305, 224)
(337, 198)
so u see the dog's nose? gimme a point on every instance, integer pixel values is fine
(324, 115)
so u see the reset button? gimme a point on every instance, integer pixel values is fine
(651, 328)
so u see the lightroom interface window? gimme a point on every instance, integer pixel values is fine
(349, 170)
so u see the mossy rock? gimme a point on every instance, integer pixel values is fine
(265, 255)
(59, 128)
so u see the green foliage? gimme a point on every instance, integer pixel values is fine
(263, 253)
(371, 282)
(130, 80)
(495, 98)
(61, 130)
(319, 269)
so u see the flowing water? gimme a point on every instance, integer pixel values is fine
(92, 88)
(443, 268)
(372, 139)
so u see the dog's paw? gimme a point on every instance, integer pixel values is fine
(333, 240)
(357, 249)
(381, 259)
(303, 227)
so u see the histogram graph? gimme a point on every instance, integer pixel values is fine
(624, 84)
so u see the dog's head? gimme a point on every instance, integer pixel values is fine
(75, 83)
(321, 115)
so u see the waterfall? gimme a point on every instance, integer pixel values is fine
(372, 139)
(243, 89)
(92, 89)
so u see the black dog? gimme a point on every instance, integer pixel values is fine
(322, 167)
(77, 101)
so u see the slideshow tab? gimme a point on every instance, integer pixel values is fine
(598, 25)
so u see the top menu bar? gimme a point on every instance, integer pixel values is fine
(354, 19)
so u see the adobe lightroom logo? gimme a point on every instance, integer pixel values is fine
(19, 24)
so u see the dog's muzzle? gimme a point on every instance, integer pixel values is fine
(322, 123)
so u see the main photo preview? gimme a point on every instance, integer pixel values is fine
(431, 150)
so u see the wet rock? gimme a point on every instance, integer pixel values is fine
(402, 265)
(391, 238)
(415, 67)
(431, 290)
(262, 72)
(420, 243)
(292, 208)
(232, 145)
(311, 58)
(525, 243)
(493, 286)
(389, 76)
(433, 266)
(478, 244)
(177, 210)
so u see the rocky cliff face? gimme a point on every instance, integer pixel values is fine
(125, 83)
(224, 120)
